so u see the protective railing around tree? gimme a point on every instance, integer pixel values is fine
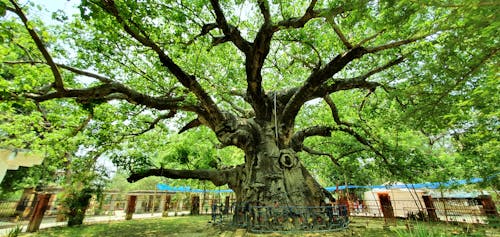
(478, 210)
(290, 218)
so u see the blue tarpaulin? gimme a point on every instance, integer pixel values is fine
(429, 185)
(187, 189)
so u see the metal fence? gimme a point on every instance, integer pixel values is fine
(290, 218)
(265, 218)
(446, 210)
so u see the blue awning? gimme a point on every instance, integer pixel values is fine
(428, 185)
(187, 189)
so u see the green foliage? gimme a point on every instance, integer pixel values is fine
(23, 177)
(436, 113)
(14, 232)
(420, 231)
(75, 203)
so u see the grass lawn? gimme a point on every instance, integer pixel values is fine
(198, 226)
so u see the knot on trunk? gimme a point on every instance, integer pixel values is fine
(287, 158)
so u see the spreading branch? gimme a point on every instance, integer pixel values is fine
(84, 124)
(69, 68)
(112, 91)
(335, 111)
(157, 120)
(326, 131)
(218, 177)
(264, 9)
(315, 87)
(396, 44)
(314, 82)
(341, 35)
(108, 91)
(211, 111)
(318, 153)
(367, 39)
(192, 124)
(58, 82)
(230, 31)
(308, 15)
(297, 141)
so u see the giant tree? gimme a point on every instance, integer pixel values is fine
(247, 70)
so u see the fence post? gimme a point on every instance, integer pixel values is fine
(489, 207)
(130, 207)
(111, 209)
(24, 201)
(195, 205)
(429, 206)
(226, 206)
(40, 207)
(166, 205)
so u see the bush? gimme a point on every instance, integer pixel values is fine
(75, 204)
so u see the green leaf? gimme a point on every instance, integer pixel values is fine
(3, 9)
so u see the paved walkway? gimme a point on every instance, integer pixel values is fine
(51, 221)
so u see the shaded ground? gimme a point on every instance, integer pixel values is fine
(198, 226)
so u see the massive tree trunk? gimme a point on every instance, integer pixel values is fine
(273, 176)
(272, 173)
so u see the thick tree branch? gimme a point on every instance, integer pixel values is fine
(108, 91)
(341, 36)
(312, 90)
(212, 113)
(232, 32)
(218, 177)
(314, 82)
(257, 55)
(369, 38)
(298, 138)
(396, 44)
(82, 125)
(69, 68)
(192, 124)
(308, 15)
(335, 112)
(153, 124)
(205, 29)
(58, 82)
(111, 91)
(318, 153)
(264, 9)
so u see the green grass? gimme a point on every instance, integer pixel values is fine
(198, 226)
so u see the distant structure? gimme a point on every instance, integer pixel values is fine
(12, 159)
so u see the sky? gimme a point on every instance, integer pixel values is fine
(67, 6)
(54, 5)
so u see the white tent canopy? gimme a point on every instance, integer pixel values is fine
(12, 159)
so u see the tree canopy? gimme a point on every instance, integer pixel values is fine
(398, 89)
